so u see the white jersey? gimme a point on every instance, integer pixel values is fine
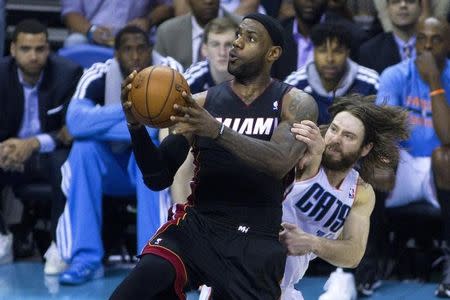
(319, 209)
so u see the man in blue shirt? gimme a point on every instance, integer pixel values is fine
(422, 87)
(100, 161)
(332, 73)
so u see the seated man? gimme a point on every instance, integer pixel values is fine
(97, 21)
(297, 30)
(101, 161)
(396, 45)
(35, 88)
(422, 86)
(327, 213)
(332, 73)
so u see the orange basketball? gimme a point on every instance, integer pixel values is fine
(153, 93)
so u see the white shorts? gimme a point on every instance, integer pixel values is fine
(290, 293)
(414, 182)
(295, 269)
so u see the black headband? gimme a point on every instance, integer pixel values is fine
(272, 26)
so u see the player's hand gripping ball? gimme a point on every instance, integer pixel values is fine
(153, 93)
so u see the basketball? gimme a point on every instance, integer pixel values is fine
(153, 93)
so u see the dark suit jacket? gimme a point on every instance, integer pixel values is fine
(379, 52)
(58, 84)
(287, 63)
(174, 38)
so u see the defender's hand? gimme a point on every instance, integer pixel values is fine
(296, 241)
(309, 133)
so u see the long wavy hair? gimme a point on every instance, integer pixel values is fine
(385, 126)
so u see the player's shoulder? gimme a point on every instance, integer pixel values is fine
(168, 61)
(299, 105)
(364, 193)
(98, 69)
(93, 80)
(297, 76)
(196, 71)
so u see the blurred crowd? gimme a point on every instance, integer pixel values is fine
(64, 138)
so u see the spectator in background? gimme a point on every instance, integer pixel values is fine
(438, 8)
(98, 21)
(181, 37)
(35, 89)
(238, 7)
(299, 48)
(272, 7)
(341, 8)
(361, 12)
(100, 161)
(331, 73)
(422, 86)
(218, 40)
(397, 45)
(242, 7)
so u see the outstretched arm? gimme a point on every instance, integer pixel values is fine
(309, 133)
(275, 157)
(345, 252)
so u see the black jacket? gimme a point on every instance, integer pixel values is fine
(58, 84)
(379, 52)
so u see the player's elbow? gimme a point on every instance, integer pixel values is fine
(349, 262)
(354, 263)
(355, 259)
(283, 167)
(280, 172)
(158, 182)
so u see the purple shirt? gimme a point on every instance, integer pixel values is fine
(114, 14)
(31, 126)
(406, 47)
(305, 48)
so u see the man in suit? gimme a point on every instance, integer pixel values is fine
(174, 36)
(35, 88)
(396, 45)
(299, 47)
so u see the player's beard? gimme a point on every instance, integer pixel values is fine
(247, 70)
(346, 161)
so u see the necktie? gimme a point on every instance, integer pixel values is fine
(407, 51)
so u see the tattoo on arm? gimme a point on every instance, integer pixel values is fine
(278, 156)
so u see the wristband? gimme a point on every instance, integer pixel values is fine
(90, 33)
(136, 125)
(437, 92)
(221, 130)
